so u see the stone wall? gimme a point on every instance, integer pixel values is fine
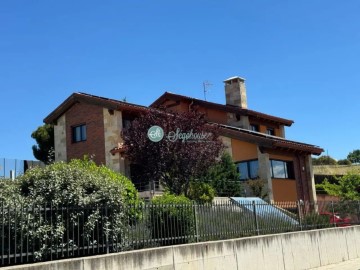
(112, 130)
(60, 139)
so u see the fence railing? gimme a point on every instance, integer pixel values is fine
(48, 232)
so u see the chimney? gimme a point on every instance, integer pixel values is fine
(235, 92)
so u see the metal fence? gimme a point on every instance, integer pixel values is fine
(11, 168)
(48, 232)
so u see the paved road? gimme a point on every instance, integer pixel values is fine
(348, 265)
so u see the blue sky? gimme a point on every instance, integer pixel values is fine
(300, 59)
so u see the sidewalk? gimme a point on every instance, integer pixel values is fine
(348, 265)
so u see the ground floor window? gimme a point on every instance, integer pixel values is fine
(248, 169)
(282, 169)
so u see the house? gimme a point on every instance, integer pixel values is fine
(90, 125)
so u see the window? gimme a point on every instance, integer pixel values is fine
(282, 169)
(79, 133)
(126, 123)
(254, 128)
(248, 169)
(270, 131)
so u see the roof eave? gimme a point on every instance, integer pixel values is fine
(270, 142)
(110, 104)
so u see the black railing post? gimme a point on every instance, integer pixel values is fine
(2, 233)
(333, 213)
(107, 232)
(358, 215)
(255, 218)
(196, 222)
(299, 212)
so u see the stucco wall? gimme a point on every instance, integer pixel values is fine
(284, 190)
(243, 150)
(298, 250)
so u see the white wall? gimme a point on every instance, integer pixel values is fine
(298, 250)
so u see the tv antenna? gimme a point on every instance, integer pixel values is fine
(206, 85)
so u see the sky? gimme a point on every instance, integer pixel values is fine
(300, 59)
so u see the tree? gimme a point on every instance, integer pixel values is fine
(44, 150)
(189, 147)
(344, 162)
(324, 160)
(354, 156)
(347, 187)
(224, 177)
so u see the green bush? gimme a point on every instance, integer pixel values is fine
(9, 192)
(258, 187)
(315, 221)
(201, 192)
(344, 162)
(67, 202)
(224, 177)
(172, 220)
(77, 183)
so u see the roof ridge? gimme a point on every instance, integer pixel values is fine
(287, 122)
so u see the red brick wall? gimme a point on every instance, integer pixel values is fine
(92, 116)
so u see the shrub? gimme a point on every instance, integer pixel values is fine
(344, 162)
(77, 183)
(68, 201)
(346, 187)
(315, 221)
(258, 188)
(9, 192)
(172, 219)
(201, 192)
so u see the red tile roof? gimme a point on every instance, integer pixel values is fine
(111, 104)
(221, 107)
(268, 141)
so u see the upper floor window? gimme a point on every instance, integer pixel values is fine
(79, 133)
(248, 169)
(270, 131)
(127, 123)
(254, 128)
(282, 169)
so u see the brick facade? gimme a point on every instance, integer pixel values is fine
(92, 116)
